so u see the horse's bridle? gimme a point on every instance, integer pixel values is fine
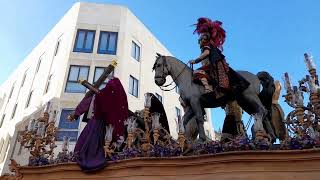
(165, 65)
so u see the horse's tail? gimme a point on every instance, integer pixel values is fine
(267, 82)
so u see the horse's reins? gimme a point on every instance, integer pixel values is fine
(166, 65)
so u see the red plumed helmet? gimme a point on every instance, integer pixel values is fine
(213, 28)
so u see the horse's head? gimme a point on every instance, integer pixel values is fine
(161, 69)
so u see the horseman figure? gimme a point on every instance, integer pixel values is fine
(215, 71)
(215, 84)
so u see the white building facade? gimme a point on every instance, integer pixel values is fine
(79, 46)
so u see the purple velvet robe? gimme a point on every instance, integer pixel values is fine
(110, 107)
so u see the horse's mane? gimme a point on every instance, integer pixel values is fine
(158, 57)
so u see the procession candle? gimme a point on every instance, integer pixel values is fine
(131, 124)
(181, 126)
(51, 120)
(40, 127)
(298, 96)
(65, 145)
(109, 131)
(287, 82)
(177, 123)
(155, 120)
(31, 125)
(53, 116)
(312, 86)
(309, 62)
(147, 100)
(43, 130)
(155, 125)
(47, 107)
(36, 126)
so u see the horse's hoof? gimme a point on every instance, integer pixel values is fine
(201, 140)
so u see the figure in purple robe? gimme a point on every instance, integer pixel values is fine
(110, 106)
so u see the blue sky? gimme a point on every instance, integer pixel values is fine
(261, 35)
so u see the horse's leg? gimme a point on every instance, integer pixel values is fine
(198, 112)
(236, 111)
(188, 124)
(251, 103)
(232, 125)
(188, 114)
(192, 130)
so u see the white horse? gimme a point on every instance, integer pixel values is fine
(193, 94)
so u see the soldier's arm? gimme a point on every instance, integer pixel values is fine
(203, 55)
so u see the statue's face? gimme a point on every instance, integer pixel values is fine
(203, 39)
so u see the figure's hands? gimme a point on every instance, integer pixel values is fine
(192, 62)
(72, 117)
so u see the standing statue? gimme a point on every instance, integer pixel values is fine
(274, 119)
(277, 114)
(101, 112)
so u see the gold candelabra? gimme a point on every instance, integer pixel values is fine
(39, 137)
(304, 120)
(141, 139)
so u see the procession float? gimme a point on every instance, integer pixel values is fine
(120, 144)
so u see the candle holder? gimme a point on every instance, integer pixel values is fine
(181, 135)
(39, 138)
(155, 126)
(131, 128)
(314, 96)
(146, 118)
(304, 120)
(288, 87)
(65, 145)
(145, 147)
(108, 139)
(311, 67)
(65, 155)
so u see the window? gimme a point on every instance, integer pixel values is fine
(133, 86)
(57, 48)
(98, 72)
(84, 41)
(29, 99)
(11, 91)
(135, 51)
(24, 78)
(77, 73)
(38, 65)
(159, 97)
(66, 127)
(178, 112)
(2, 120)
(48, 84)
(107, 42)
(14, 111)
